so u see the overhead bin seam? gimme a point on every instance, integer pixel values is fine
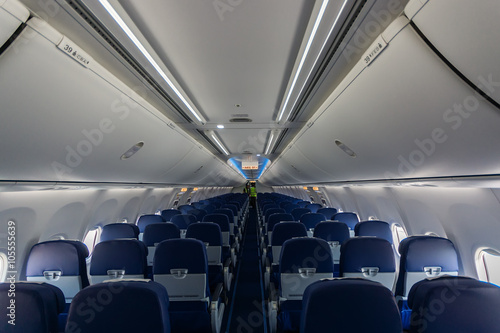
(387, 36)
(54, 37)
(455, 70)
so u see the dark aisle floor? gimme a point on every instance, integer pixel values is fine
(246, 313)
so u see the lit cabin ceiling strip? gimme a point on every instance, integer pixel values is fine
(304, 56)
(273, 137)
(111, 11)
(218, 142)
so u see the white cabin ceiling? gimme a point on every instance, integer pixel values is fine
(236, 60)
(241, 56)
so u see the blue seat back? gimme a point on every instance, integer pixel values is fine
(349, 218)
(209, 233)
(450, 304)
(119, 258)
(61, 263)
(199, 213)
(148, 219)
(282, 232)
(379, 229)
(288, 208)
(118, 306)
(181, 265)
(423, 257)
(168, 213)
(349, 305)
(183, 220)
(119, 230)
(314, 207)
(328, 212)
(156, 233)
(36, 307)
(298, 212)
(370, 258)
(334, 233)
(310, 220)
(303, 261)
(185, 209)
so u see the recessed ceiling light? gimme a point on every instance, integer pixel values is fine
(258, 154)
(220, 126)
(135, 148)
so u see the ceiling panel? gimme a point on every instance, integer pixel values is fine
(246, 140)
(222, 56)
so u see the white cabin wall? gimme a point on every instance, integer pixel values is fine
(41, 215)
(470, 217)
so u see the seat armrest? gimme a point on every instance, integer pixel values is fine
(228, 274)
(267, 274)
(217, 309)
(272, 307)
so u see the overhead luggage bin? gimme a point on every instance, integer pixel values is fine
(424, 120)
(466, 34)
(12, 15)
(73, 120)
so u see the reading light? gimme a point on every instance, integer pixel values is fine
(304, 55)
(218, 142)
(220, 126)
(111, 11)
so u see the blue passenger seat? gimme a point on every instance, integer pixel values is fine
(181, 266)
(155, 233)
(118, 259)
(303, 261)
(120, 306)
(210, 234)
(146, 220)
(451, 304)
(375, 228)
(310, 220)
(36, 309)
(334, 233)
(422, 257)
(168, 213)
(61, 263)
(371, 258)
(349, 218)
(328, 212)
(119, 230)
(350, 305)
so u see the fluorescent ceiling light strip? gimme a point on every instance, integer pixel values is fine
(304, 55)
(269, 143)
(322, 47)
(148, 56)
(221, 146)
